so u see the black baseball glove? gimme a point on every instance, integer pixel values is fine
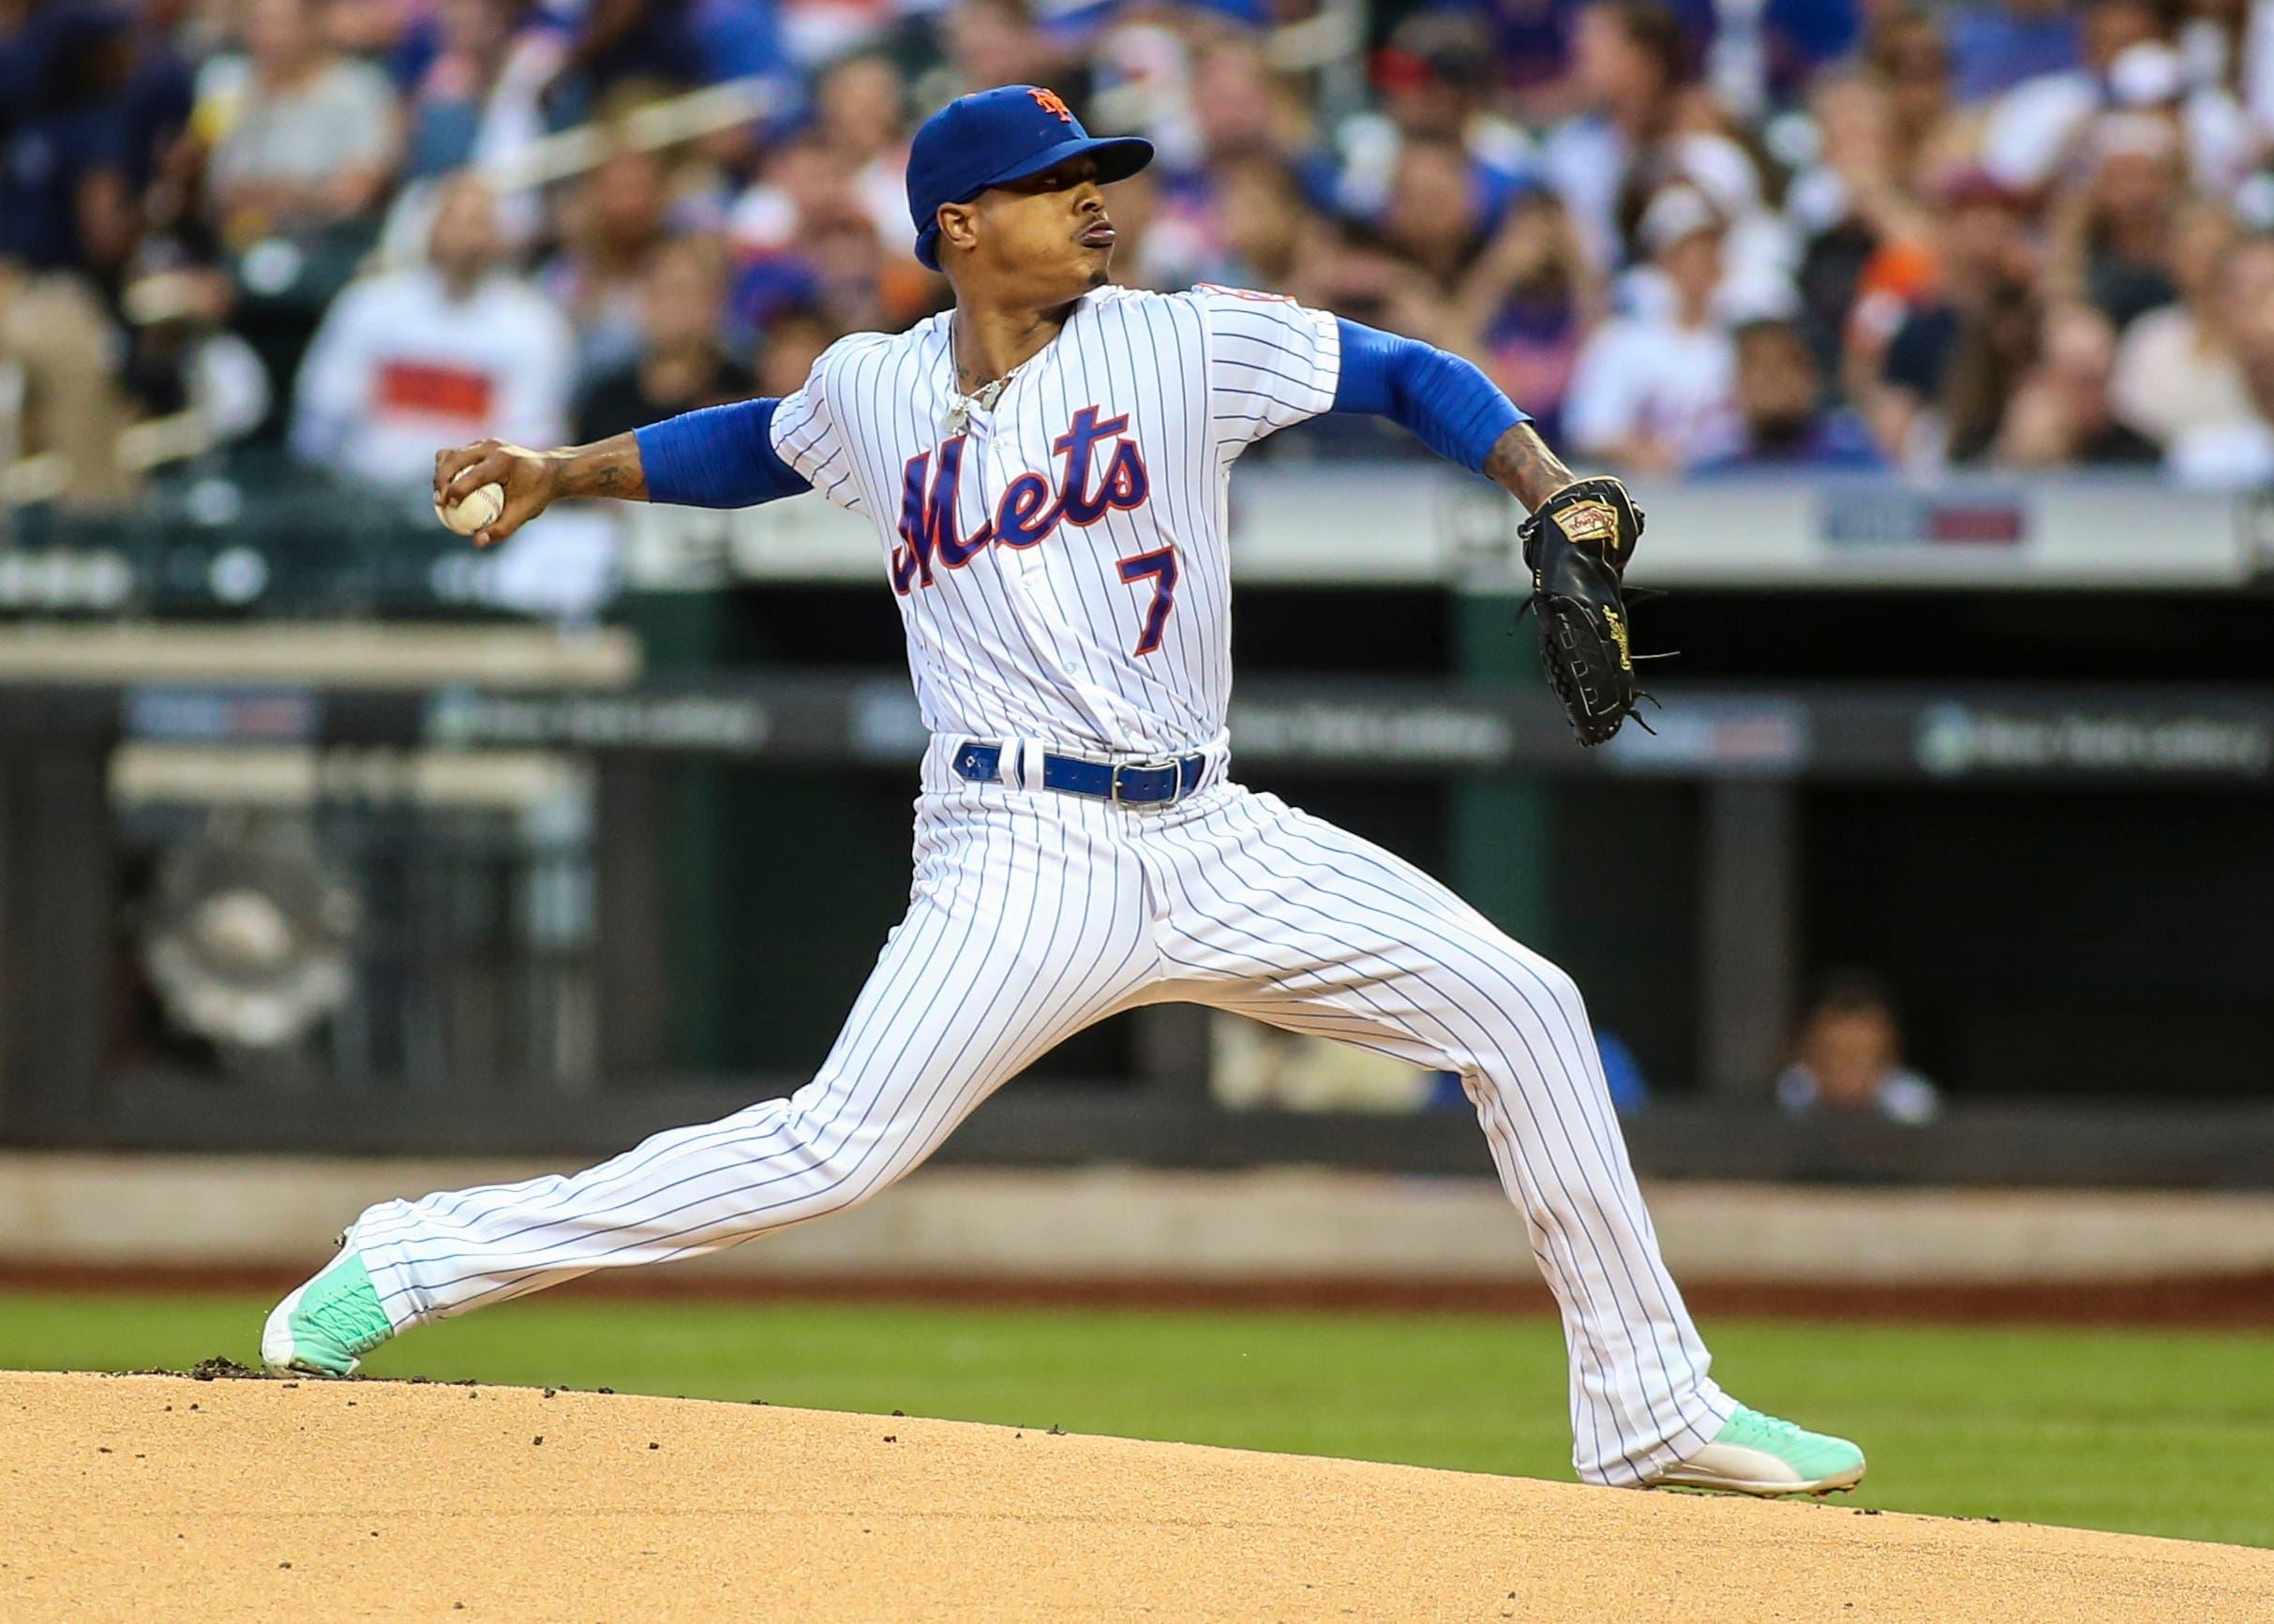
(1576, 545)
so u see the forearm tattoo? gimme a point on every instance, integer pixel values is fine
(1522, 465)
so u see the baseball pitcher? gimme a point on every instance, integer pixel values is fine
(1047, 468)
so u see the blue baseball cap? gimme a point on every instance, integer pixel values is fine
(993, 137)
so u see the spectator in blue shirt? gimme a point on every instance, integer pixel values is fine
(1799, 37)
(68, 224)
(1532, 44)
(1996, 46)
(1848, 1058)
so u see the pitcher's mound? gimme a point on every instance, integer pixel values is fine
(165, 1497)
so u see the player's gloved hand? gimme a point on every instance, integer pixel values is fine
(532, 480)
(1578, 543)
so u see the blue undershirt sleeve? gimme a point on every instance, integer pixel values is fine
(722, 457)
(1457, 410)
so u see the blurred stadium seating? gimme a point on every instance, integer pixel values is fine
(1938, 340)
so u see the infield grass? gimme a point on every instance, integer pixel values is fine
(2143, 1431)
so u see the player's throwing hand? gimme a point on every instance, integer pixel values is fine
(532, 481)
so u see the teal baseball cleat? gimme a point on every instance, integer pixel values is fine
(1759, 1455)
(328, 1323)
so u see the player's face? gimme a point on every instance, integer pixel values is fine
(1046, 238)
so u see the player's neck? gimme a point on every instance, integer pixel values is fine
(990, 341)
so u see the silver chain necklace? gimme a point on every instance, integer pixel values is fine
(982, 399)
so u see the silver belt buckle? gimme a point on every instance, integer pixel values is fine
(1147, 764)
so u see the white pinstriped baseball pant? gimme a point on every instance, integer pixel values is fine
(1034, 914)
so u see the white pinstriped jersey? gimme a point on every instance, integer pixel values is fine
(1061, 560)
(1062, 571)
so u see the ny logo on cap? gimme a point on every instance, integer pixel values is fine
(1050, 101)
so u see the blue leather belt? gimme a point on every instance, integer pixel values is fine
(1126, 783)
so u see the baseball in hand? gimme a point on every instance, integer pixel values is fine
(479, 509)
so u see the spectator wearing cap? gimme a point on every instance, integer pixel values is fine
(1435, 85)
(2175, 367)
(1784, 422)
(300, 139)
(1653, 394)
(1848, 1058)
(2063, 415)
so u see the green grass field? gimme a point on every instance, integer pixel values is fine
(2150, 1432)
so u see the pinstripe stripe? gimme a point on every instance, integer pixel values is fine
(1626, 1263)
(1032, 914)
(950, 1048)
(1041, 643)
(1029, 920)
(1439, 1048)
(1502, 967)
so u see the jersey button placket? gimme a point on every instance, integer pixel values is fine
(990, 446)
(1002, 455)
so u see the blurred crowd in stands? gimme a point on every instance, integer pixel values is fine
(1689, 238)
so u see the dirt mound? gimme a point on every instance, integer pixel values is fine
(153, 1497)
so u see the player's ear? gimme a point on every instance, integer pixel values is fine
(958, 225)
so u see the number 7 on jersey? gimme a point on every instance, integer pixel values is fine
(1161, 565)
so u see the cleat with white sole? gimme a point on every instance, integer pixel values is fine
(1759, 1455)
(328, 1322)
